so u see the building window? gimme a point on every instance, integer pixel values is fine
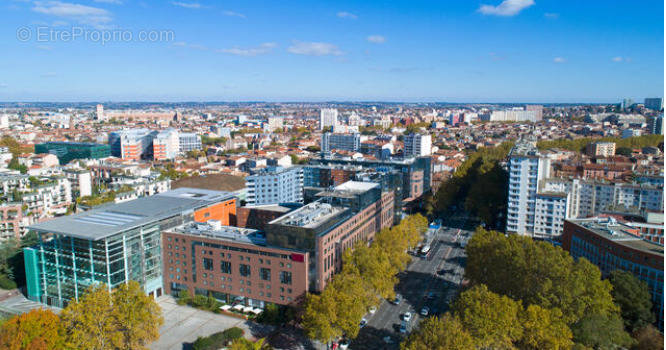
(208, 264)
(265, 274)
(244, 270)
(285, 277)
(225, 266)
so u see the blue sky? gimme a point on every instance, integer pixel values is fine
(450, 51)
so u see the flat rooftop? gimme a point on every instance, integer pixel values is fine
(348, 189)
(612, 230)
(227, 233)
(310, 215)
(112, 219)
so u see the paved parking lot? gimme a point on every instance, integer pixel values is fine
(183, 324)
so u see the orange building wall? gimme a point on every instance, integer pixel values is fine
(225, 212)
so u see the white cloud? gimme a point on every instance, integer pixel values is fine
(233, 14)
(188, 45)
(187, 5)
(551, 15)
(621, 59)
(82, 14)
(347, 15)
(314, 49)
(506, 7)
(44, 47)
(252, 51)
(559, 59)
(377, 39)
(115, 2)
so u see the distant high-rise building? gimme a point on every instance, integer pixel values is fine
(346, 142)
(328, 117)
(536, 108)
(240, 119)
(417, 145)
(274, 185)
(354, 120)
(654, 103)
(656, 125)
(627, 102)
(99, 114)
(273, 123)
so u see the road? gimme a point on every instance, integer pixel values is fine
(420, 285)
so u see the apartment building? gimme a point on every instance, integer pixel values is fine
(600, 149)
(188, 142)
(417, 145)
(328, 117)
(526, 166)
(346, 142)
(166, 145)
(274, 185)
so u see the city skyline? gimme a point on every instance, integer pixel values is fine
(486, 51)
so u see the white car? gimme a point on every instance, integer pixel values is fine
(372, 309)
(425, 311)
(363, 322)
(407, 316)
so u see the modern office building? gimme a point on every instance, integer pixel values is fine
(614, 246)
(189, 142)
(275, 185)
(415, 172)
(99, 112)
(68, 151)
(328, 117)
(654, 103)
(342, 217)
(114, 244)
(346, 142)
(232, 264)
(417, 145)
(166, 145)
(133, 144)
(526, 168)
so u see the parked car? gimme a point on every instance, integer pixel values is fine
(397, 300)
(372, 309)
(403, 328)
(344, 344)
(363, 322)
(424, 311)
(407, 316)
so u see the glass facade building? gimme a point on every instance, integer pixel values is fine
(110, 245)
(68, 151)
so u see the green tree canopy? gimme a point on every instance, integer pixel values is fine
(538, 273)
(490, 318)
(633, 297)
(434, 333)
(601, 332)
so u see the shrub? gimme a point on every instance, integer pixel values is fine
(217, 340)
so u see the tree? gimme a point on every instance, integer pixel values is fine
(633, 297)
(544, 329)
(319, 316)
(490, 318)
(648, 338)
(124, 319)
(244, 344)
(538, 273)
(137, 315)
(624, 151)
(37, 329)
(601, 332)
(445, 333)
(88, 322)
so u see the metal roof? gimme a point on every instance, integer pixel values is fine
(109, 220)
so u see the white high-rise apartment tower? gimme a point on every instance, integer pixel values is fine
(526, 168)
(328, 117)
